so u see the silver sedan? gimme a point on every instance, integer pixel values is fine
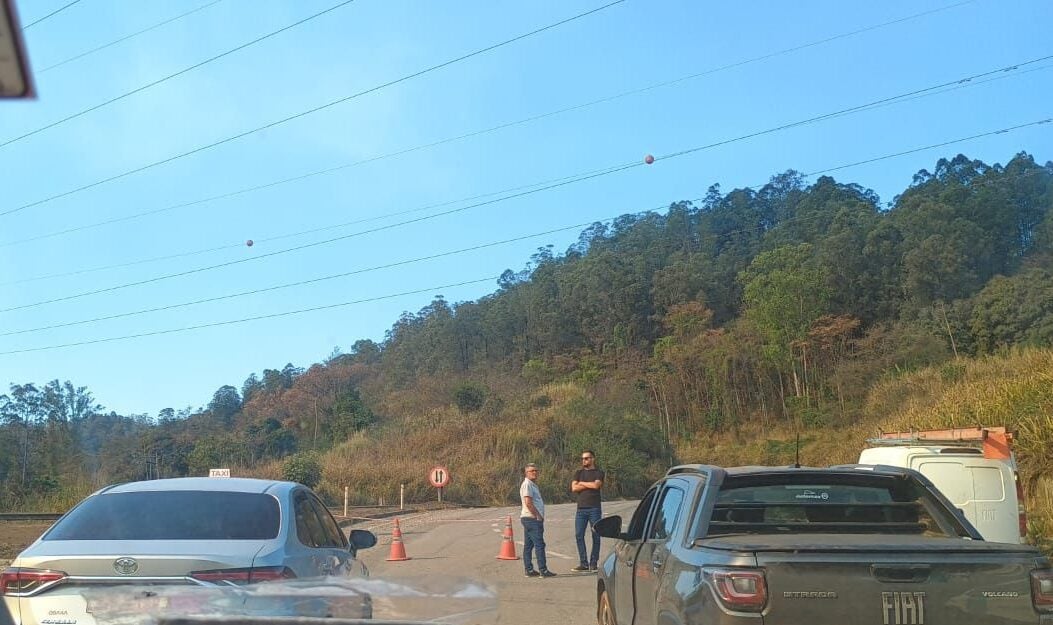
(186, 531)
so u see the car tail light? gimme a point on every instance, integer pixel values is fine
(741, 590)
(244, 576)
(1021, 511)
(23, 582)
(1042, 589)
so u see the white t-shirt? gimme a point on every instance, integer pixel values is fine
(529, 489)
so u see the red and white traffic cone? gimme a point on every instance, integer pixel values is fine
(398, 549)
(508, 545)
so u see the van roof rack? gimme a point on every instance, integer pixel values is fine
(995, 442)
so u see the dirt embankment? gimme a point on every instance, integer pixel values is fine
(16, 536)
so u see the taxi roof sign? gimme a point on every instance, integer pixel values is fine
(219, 472)
(15, 79)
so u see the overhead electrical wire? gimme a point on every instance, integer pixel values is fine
(164, 79)
(102, 47)
(875, 104)
(50, 15)
(283, 236)
(476, 133)
(256, 318)
(966, 83)
(558, 183)
(288, 285)
(310, 111)
(240, 261)
(962, 84)
(933, 146)
(491, 244)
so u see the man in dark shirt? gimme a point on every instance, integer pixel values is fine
(588, 480)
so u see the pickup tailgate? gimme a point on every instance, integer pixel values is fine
(886, 580)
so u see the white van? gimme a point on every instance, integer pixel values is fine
(984, 488)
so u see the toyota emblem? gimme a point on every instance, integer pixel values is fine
(125, 566)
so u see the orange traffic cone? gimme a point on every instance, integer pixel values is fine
(508, 545)
(398, 550)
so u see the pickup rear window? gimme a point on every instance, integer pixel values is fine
(832, 503)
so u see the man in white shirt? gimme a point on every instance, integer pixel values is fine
(532, 515)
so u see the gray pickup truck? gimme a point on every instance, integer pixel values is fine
(788, 545)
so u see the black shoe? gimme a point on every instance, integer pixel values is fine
(533, 574)
(547, 573)
(581, 568)
(594, 568)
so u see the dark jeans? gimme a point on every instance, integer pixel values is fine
(533, 540)
(587, 516)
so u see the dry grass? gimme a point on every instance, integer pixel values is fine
(757, 445)
(484, 451)
(560, 393)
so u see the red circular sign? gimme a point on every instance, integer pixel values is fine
(439, 476)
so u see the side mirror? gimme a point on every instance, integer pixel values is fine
(362, 539)
(610, 527)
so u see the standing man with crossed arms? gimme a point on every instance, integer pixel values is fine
(588, 480)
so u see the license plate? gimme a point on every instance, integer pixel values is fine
(114, 605)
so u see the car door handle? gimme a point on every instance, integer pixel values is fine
(657, 564)
(630, 562)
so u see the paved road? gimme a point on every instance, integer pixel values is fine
(450, 547)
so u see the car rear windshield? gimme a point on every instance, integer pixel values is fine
(835, 503)
(171, 515)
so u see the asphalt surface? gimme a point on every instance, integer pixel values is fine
(453, 560)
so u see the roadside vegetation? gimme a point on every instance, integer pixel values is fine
(713, 332)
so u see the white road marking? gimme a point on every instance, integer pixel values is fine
(549, 552)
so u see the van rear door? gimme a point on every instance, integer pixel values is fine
(982, 487)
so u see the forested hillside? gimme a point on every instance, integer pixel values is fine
(707, 332)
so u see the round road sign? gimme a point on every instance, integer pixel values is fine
(439, 476)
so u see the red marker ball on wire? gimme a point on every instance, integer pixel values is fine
(648, 159)
(248, 243)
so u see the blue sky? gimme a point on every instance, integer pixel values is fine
(370, 42)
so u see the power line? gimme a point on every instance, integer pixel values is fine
(565, 182)
(310, 111)
(345, 274)
(126, 37)
(482, 246)
(248, 319)
(959, 83)
(175, 74)
(287, 235)
(503, 126)
(875, 104)
(966, 83)
(50, 15)
(933, 146)
(316, 243)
